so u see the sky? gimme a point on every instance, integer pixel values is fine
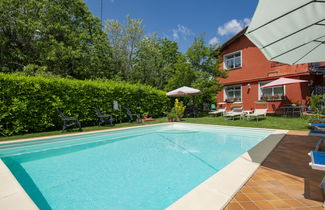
(182, 20)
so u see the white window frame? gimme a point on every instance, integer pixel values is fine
(260, 91)
(241, 60)
(229, 86)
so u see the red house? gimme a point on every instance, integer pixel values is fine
(248, 70)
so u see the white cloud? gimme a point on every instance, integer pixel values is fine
(181, 31)
(247, 21)
(233, 26)
(214, 41)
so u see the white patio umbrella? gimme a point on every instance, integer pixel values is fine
(289, 31)
(283, 81)
(184, 91)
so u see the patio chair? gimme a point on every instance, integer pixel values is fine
(104, 118)
(131, 115)
(257, 113)
(220, 111)
(69, 121)
(237, 111)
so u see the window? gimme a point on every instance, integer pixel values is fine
(233, 93)
(271, 93)
(232, 60)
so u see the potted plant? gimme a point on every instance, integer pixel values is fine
(267, 98)
(171, 115)
(179, 109)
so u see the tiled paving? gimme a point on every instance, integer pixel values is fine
(285, 180)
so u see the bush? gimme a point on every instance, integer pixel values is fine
(28, 103)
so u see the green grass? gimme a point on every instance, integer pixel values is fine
(274, 122)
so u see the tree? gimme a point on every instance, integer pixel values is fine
(124, 40)
(198, 68)
(184, 74)
(154, 61)
(57, 36)
(204, 60)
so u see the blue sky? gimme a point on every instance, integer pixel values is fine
(182, 20)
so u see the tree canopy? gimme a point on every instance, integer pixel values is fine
(55, 36)
(62, 38)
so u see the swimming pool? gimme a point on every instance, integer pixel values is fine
(138, 168)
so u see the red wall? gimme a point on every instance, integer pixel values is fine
(256, 68)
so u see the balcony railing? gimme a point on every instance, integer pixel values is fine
(317, 68)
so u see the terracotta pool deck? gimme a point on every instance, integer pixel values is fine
(285, 180)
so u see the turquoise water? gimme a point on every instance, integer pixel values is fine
(139, 168)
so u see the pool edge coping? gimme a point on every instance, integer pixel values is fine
(76, 134)
(12, 194)
(20, 197)
(218, 190)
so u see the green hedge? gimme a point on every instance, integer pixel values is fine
(28, 104)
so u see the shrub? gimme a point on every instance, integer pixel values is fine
(179, 108)
(28, 103)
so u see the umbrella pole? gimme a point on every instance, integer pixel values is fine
(194, 114)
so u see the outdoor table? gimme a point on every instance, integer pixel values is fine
(289, 109)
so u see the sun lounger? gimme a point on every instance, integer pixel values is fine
(317, 133)
(317, 158)
(234, 113)
(257, 113)
(318, 162)
(219, 111)
(319, 126)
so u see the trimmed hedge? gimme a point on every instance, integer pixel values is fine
(28, 104)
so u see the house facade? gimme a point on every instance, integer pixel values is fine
(248, 70)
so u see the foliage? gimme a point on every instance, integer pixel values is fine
(198, 68)
(60, 37)
(179, 108)
(316, 103)
(27, 104)
(172, 114)
(316, 119)
(154, 61)
(184, 74)
(124, 40)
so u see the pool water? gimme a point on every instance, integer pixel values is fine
(139, 168)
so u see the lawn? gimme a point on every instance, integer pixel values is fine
(274, 122)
